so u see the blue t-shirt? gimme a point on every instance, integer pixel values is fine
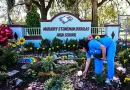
(94, 45)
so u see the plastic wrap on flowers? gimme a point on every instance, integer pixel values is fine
(5, 34)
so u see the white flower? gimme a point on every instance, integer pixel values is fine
(79, 73)
(121, 69)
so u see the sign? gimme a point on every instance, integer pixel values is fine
(65, 25)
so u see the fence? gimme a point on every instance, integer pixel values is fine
(35, 31)
(98, 30)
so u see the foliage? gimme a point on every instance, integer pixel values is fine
(3, 75)
(57, 44)
(29, 45)
(9, 57)
(47, 65)
(45, 43)
(3, 68)
(124, 56)
(30, 74)
(100, 78)
(72, 44)
(33, 18)
(1, 52)
(36, 67)
(107, 14)
(67, 3)
(65, 69)
(58, 83)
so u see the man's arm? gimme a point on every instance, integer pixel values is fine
(87, 65)
(103, 49)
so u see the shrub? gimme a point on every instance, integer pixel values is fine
(57, 44)
(45, 44)
(32, 19)
(9, 57)
(72, 44)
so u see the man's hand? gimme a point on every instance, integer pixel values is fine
(84, 73)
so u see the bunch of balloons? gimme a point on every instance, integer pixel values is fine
(5, 34)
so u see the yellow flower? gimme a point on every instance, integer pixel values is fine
(30, 48)
(51, 57)
(97, 37)
(37, 48)
(25, 49)
(57, 46)
(43, 48)
(64, 45)
(125, 61)
(63, 57)
(13, 45)
(47, 57)
(17, 43)
(52, 47)
(68, 45)
(83, 58)
(9, 44)
(43, 58)
(21, 40)
(127, 79)
(73, 45)
(49, 48)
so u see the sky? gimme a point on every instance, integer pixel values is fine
(3, 9)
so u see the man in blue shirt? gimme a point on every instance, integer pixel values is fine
(101, 49)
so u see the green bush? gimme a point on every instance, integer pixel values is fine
(32, 19)
(58, 83)
(72, 44)
(45, 43)
(9, 58)
(57, 44)
(123, 57)
(29, 45)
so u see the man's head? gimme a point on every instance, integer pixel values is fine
(83, 45)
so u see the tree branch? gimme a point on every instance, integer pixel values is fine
(49, 4)
(16, 6)
(128, 2)
(36, 3)
(99, 4)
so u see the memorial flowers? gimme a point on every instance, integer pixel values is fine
(21, 41)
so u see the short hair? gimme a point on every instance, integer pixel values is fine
(83, 43)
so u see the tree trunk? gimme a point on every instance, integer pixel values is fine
(44, 10)
(94, 13)
(43, 13)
